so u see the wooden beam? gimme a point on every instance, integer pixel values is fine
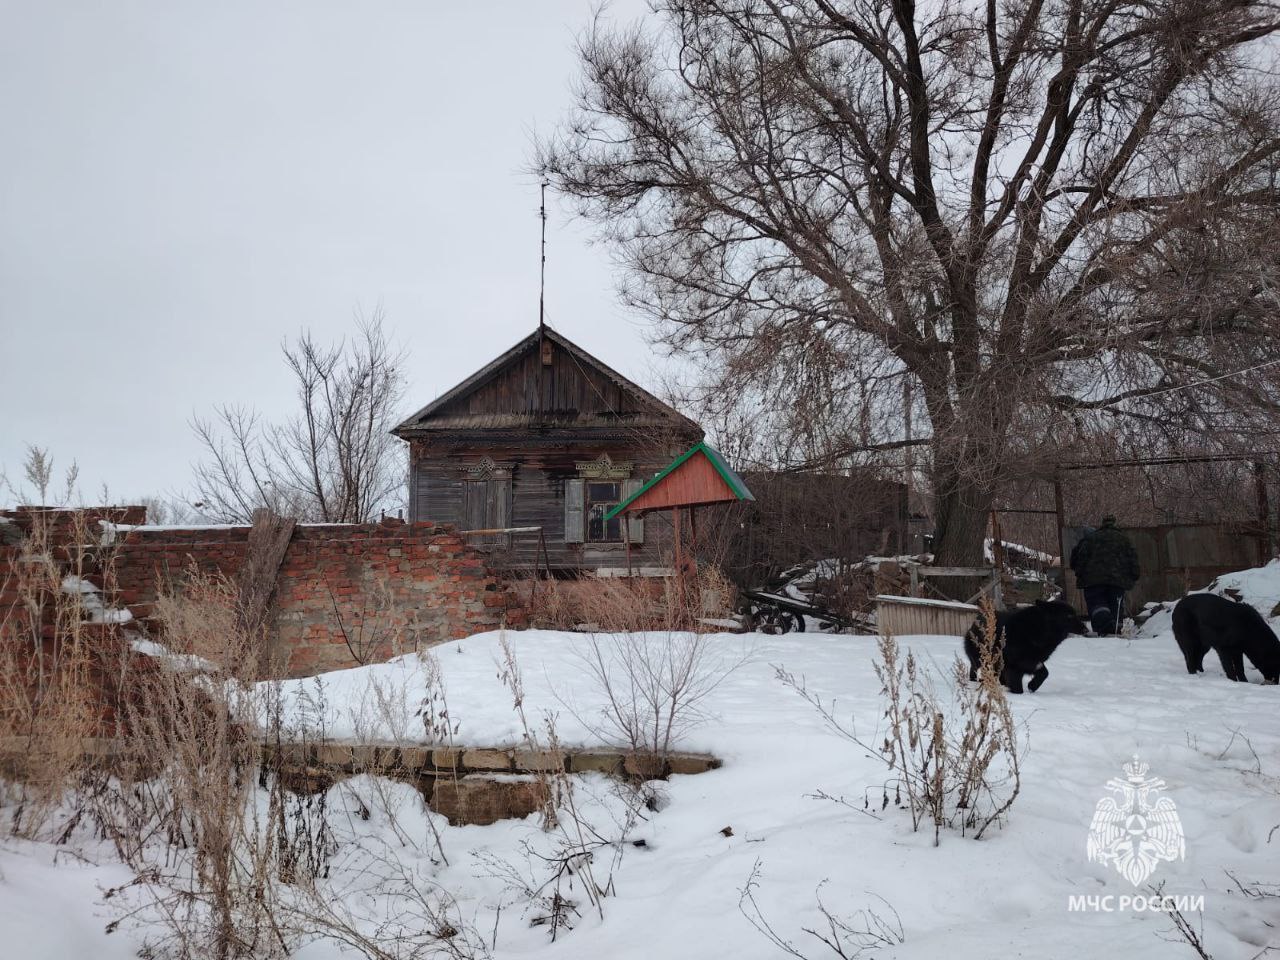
(1061, 520)
(1264, 511)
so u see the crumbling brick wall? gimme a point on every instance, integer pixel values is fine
(380, 588)
(422, 581)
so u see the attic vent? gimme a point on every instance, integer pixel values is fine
(546, 352)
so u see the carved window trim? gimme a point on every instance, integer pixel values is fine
(604, 467)
(485, 469)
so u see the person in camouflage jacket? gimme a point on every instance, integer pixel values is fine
(1105, 565)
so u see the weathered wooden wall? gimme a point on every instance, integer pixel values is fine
(538, 479)
(904, 616)
(1178, 557)
(567, 392)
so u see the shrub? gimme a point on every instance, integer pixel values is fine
(953, 758)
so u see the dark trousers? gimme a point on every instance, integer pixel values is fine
(1106, 608)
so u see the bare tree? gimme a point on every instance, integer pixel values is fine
(1036, 215)
(335, 460)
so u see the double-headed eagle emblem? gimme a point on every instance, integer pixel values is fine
(1135, 830)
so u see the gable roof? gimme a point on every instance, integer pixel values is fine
(731, 486)
(447, 411)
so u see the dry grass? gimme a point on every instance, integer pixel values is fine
(241, 857)
(645, 658)
(581, 856)
(193, 752)
(653, 686)
(954, 757)
(51, 661)
(202, 797)
(629, 604)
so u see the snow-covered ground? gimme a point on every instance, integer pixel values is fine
(1216, 745)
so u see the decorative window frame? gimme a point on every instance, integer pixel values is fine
(604, 467)
(485, 469)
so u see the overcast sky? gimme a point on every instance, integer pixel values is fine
(185, 184)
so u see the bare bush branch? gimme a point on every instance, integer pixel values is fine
(335, 460)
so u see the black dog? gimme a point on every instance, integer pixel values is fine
(1235, 630)
(1025, 639)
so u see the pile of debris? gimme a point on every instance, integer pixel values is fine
(848, 590)
(845, 590)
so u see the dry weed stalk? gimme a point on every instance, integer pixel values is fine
(381, 628)
(55, 640)
(385, 717)
(868, 929)
(953, 763)
(194, 738)
(653, 687)
(424, 921)
(572, 859)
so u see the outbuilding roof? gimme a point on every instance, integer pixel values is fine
(701, 475)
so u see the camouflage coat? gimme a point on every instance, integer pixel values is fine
(1105, 558)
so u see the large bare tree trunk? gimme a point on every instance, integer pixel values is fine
(962, 511)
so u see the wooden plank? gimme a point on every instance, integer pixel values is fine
(256, 582)
(911, 617)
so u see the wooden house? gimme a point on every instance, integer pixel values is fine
(546, 437)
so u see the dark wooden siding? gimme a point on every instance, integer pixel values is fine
(567, 388)
(439, 479)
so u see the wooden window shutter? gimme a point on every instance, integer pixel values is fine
(474, 495)
(634, 524)
(501, 493)
(574, 493)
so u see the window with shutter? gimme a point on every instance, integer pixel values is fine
(486, 505)
(602, 497)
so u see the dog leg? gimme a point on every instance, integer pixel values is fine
(1194, 658)
(1012, 680)
(1228, 660)
(1038, 678)
(1237, 661)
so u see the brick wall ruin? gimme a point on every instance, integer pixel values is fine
(382, 588)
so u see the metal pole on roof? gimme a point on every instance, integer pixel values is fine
(542, 275)
(540, 360)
